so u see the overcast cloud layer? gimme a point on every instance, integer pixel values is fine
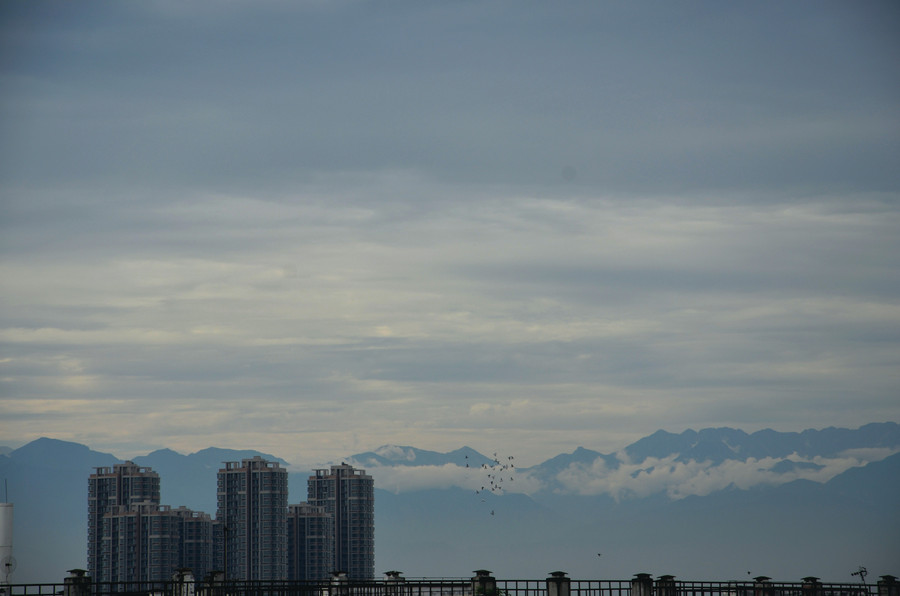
(312, 228)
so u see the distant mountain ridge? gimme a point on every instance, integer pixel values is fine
(402, 455)
(709, 444)
(719, 444)
(773, 457)
(701, 503)
(182, 474)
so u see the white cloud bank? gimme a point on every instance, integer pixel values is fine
(626, 480)
(679, 479)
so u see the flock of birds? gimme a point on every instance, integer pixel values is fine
(494, 475)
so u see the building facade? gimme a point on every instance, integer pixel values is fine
(254, 536)
(348, 495)
(149, 542)
(252, 500)
(112, 491)
(140, 543)
(310, 536)
(197, 544)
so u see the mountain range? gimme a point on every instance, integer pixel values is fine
(713, 504)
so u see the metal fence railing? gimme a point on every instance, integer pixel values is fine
(478, 586)
(751, 588)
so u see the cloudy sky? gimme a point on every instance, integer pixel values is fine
(313, 228)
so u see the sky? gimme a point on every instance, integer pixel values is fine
(313, 228)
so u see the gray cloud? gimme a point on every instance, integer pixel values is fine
(573, 223)
(653, 97)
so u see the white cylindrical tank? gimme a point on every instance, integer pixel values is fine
(6, 541)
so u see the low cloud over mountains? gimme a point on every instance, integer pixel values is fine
(678, 465)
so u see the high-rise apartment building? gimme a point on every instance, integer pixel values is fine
(348, 495)
(140, 543)
(255, 536)
(310, 542)
(131, 537)
(198, 534)
(252, 506)
(110, 491)
(149, 542)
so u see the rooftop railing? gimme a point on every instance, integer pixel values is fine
(482, 584)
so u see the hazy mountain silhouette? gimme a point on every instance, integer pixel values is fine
(719, 444)
(185, 479)
(398, 455)
(783, 527)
